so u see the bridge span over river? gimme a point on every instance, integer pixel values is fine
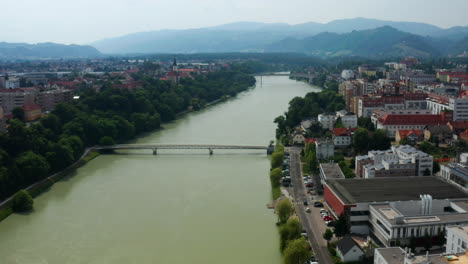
(308, 76)
(210, 148)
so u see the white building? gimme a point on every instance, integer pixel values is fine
(342, 137)
(457, 239)
(460, 108)
(327, 120)
(456, 173)
(12, 83)
(347, 74)
(349, 120)
(348, 250)
(402, 220)
(422, 160)
(324, 148)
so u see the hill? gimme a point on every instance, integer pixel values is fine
(380, 42)
(254, 36)
(45, 50)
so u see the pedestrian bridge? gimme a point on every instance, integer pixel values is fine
(156, 147)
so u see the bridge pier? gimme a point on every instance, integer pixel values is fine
(211, 151)
(155, 151)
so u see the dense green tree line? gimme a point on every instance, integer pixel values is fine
(31, 153)
(311, 105)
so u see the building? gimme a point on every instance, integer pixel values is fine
(399, 161)
(408, 101)
(297, 138)
(324, 148)
(422, 160)
(441, 132)
(456, 173)
(459, 105)
(347, 74)
(414, 120)
(348, 119)
(12, 83)
(12, 98)
(348, 250)
(308, 122)
(397, 255)
(32, 112)
(327, 120)
(360, 162)
(342, 137)
(412, 135)
(49, 99)
(355, 197)
(457, 239)
(389, 168)
(330, 171)
(398, 221)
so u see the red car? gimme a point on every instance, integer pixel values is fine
(327, 218)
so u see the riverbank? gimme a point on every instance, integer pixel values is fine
(38, 187)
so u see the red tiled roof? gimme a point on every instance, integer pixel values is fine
(310, 140)
(340, 131)
(388, 119)
(188, 70)
(172, 74)
(408, 132)
(464, 134)
(31, 107)
(459, 124)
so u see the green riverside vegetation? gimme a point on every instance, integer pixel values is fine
(31, 153)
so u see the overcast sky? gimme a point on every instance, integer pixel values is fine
(84, 21)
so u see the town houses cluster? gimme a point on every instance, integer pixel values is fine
(397, 198)
(37, 87)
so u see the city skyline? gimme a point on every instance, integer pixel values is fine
(66, 22)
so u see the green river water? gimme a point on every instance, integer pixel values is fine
(176, 207)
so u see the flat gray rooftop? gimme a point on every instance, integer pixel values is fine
(353, 191)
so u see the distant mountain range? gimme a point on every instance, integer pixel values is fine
(45, 50)
(403, 38)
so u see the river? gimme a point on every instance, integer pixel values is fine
(176, 207)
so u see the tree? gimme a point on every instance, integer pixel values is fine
(435, 167)
(284, 209)
(31, 166)
(22, 202)
(339, 123)
(18, 113)
(275, 176)
(106, 141)
(361, 140)
(380, 141)
(404, 141)
(427, 172)
(277, 159)
(328, 235)
(342, 225)
(289, 231)
(297, 252)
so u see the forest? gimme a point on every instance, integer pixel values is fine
(29, 153)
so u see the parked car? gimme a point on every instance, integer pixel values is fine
(318, 204)
(330, 223)
(327, 218)
(308, 209)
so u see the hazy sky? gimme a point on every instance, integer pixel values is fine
(84, 21)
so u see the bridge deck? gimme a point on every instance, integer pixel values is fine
(176, 146)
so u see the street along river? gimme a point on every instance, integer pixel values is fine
(181, 206)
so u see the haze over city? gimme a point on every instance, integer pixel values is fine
(87, 21)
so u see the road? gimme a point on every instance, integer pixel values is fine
(311, 222)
